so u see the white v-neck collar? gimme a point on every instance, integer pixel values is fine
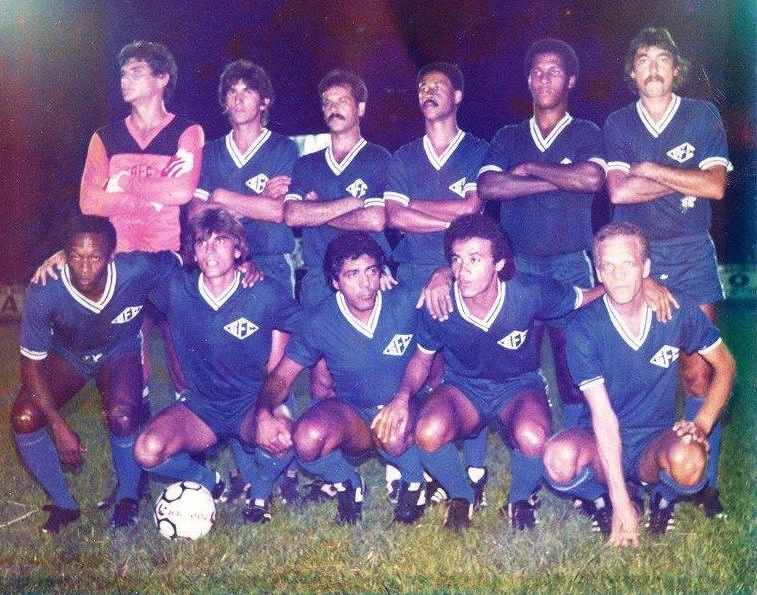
(486, 322)
(543, 143)
(656, 129)
(366, 328)
(217, 302)
(240, 159)
(635, 342)
(337, 167)
(438, 161)
(94, 306)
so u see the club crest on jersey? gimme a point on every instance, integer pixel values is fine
(681, 153)
(257, 183)
(241, 328)
(458, 187)
(357, 189)
(566, 161)
(398, 345)
(514, 340)
(127, 315)
(93, 358)
(665, 356)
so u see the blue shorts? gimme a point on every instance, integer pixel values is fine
(490, 397)
(574, 268)
(688, 265)
(223, 417)
(88, 365)
(635, 443)
(278, 267)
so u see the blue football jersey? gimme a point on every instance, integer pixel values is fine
(690, 136)
(361, 174)
(501, 345)
(416, 172)
(639, 372)
(366, 360)
(548, 223)
(58, 317)
(223, 343)
(225, 166)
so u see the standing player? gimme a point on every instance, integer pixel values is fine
(366, 337)
(248, 171)
(84, 324)
(666, 159)
(545, 171)
(626, 364)
(339, 188)
(223, 335)
(491, 368)
(431, 181)
(140, 170)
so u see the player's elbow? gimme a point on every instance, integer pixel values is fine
(486, 186)
(376, 220)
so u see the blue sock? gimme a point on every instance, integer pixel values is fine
(445, 466)
(127, 469)
(41, 459)
(692, 405)
(267, 469)
(182, 467)
(672, 490)
(474, 449)
(408, 464)
(526, 475)
(570, 414)
(584, 485)
(332, 468)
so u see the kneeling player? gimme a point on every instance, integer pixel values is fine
(366, 337)
(85, 324)
(491, 367)
(223, 336)
(626, 364)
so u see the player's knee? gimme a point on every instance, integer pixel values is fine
(26, 417)
(560, 460)
(687, 462)
(308, 440)
(530, 438)
(123, 419)
(430, 432)
(149, 449)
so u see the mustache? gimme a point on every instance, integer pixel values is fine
(653, 77)
(430, 101)
(334, 116)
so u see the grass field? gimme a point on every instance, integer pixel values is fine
(304, 551)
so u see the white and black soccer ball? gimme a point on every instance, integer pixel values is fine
(186, 510)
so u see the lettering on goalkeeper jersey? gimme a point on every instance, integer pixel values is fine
(514, 340)
(127, 315)
(398, 345)
(665, 356)
(241, 328)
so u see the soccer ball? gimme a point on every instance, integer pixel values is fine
(184, 510)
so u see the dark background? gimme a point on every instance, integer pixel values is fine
(58, 80)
